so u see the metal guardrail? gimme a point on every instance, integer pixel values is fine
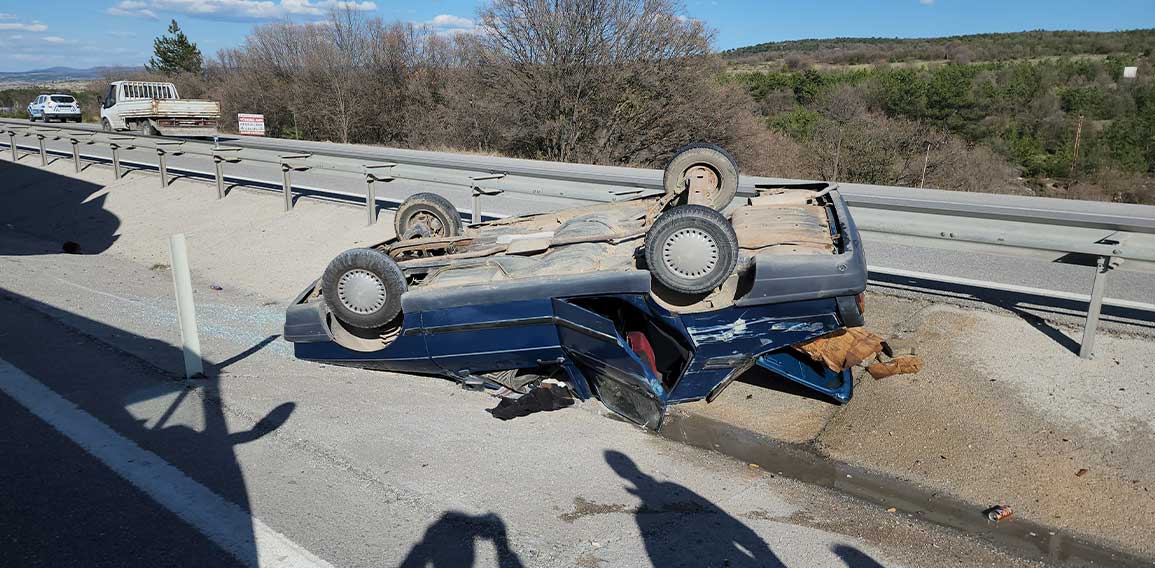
(1102, 232)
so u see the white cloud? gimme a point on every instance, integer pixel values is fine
(926, 2)
(450, 21)
(132, 8)
(237, 9)
(58, 40)
(21, 26)
(122, 34)
(448, 24)
(7, 16)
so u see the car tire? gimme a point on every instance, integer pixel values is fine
(704, 159)
(691, 249)
(437, 214)
(363, 288)
(105, 125)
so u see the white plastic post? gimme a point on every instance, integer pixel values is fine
(186, 313)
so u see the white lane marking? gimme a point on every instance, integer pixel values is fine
(236, 531)
(95, 291)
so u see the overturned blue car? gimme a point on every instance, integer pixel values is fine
(640, 304)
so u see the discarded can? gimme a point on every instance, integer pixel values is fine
(216, 288)
(999, 512)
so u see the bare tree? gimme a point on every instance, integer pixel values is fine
(619, 81)
(601, 81)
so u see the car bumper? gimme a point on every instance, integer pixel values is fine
(305, 321)
(68, 115)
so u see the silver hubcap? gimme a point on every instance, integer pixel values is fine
(690, 253)
(361, 291)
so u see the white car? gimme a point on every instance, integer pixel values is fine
(54, 107)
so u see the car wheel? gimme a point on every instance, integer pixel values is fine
(363, 287)
(691, 249)
(711, 171)
(105, 125)
(427, 214)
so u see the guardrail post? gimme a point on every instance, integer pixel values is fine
(371, 190)
(1095, 307)
(43, 154)
(370, 201)
(218, 169)
(12, 145)
(162, 157)
(115, 160)
(76, 154)
(219, 159)
(162, 167)
(114, 144)
(287, 185)
(287, 169)
(478, 191)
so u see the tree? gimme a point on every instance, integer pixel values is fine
(603, 81)
(174, 54)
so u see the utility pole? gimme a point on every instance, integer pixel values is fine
(837, 154)
(1075, 157)
(925, 161)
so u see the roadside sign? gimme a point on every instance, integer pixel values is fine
(251, 124)
(1130, 72)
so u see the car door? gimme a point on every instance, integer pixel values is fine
(37, 107)
(787, 363)
(615, 373)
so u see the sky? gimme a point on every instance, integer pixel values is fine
(89, 33)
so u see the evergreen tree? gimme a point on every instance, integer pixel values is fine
(174, 53)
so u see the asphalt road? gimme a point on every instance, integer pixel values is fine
(61, 506)
(1038, 270)
(280, 462)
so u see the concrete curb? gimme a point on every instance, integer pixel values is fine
(806, 463)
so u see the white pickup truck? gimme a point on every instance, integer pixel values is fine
(156, 109)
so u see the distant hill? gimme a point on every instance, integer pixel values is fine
(58, 74)
(962, 49)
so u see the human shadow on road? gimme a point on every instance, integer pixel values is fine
(185, 423)
(67, 213)
(451, 542)
(854, 558)
(681, 528)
